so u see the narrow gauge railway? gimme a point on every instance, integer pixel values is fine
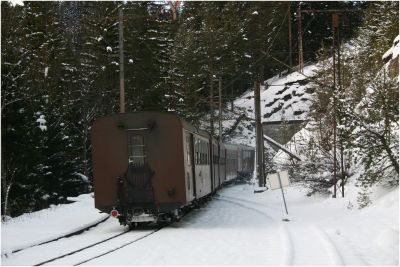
(109, 249)
(78, 249)
(322, 251)
(78, 232)
(151, 167)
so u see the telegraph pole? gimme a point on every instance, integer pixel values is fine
(121, 61)
(335, 42)
(335, 24)
(340, 91)
(259, 135)
(290, 35)
(212, 103)
(220, 108)
(300, 39)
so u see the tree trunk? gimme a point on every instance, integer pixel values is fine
(392, 158)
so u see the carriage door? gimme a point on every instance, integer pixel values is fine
(189, 167)
(139, 186)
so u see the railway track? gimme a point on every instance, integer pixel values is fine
(302, 243)
(78, 232)
(97, 255)
(83, 246)
(43, 253)
(80, 249)
(119, 247)
(284, 234)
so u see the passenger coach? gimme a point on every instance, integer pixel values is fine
(149, 166)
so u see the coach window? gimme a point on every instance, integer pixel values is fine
(207, 153)
(188, 152)
(136, 149)
(197, 152)
(202, 153)
(203, 160)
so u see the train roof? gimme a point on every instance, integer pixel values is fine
(184, 124)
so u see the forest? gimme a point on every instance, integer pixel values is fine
(60, 70)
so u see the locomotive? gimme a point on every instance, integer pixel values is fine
(149, 167)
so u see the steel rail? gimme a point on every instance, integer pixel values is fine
(81, 249)
(78, 232)
(117, 248)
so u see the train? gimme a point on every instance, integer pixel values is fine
(150, 167)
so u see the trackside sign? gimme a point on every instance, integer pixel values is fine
(274, 180)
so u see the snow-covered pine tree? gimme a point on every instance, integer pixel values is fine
(376, 114)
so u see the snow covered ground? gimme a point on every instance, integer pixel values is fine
(237, 227)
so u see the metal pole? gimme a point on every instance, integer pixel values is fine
(300, 40)
(340, 89)
(290, 34)
(220, 109)
(334, 27)
(283, 195)
(121, 62)
(212, 103)
(259, 135)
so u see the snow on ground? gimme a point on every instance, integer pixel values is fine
(44, 225)
(237, 227)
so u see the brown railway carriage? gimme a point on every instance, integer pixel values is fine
(148, 166)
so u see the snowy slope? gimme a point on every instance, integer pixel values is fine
(282, 98)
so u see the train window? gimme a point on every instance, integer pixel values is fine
(188, 150)
(205, 153)
(200, 153)
(208, 153)
(136, 149)
(197, 152)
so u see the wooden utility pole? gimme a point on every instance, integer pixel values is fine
(121, 61)
(335, 24)
(212, 102)
(290, 34)
(301, 60)
(299, 30)
(336, 79)
(220, 108)
(339, 77)
(259, 135)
